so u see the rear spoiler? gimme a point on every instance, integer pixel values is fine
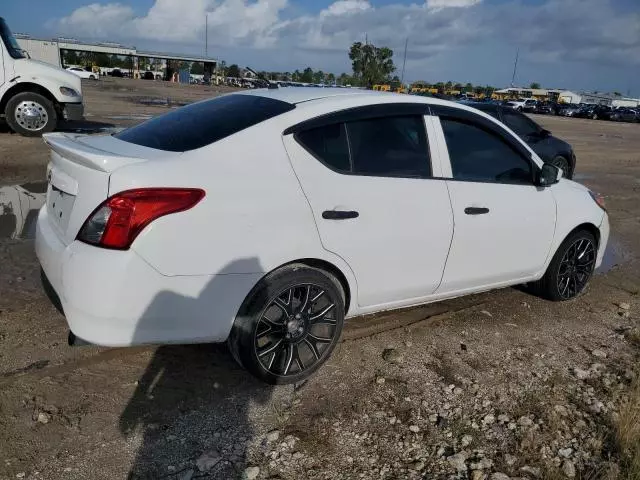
(69, 146)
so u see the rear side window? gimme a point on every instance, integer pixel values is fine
(203, 123)
(391, 146)
(479, 155)
(394, 146)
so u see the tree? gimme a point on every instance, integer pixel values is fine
(307, 75)
(318, 77)
(344, 79)
(617, 94)
(535, 85)
(197, 68)
(468, 88)
(448, 85)
(331, 79)
(371, 65)
(233, 71)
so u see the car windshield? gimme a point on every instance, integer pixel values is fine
(10, 41)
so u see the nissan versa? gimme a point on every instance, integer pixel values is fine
(265, 218)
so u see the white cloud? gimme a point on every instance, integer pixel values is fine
(451, 3)
(553, 31)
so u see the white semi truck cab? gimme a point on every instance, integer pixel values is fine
(34, 96)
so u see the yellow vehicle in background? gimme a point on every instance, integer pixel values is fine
(382, 88)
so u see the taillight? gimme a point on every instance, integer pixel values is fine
(118, 220)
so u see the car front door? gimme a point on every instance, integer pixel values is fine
(368, 180)
(504, 223)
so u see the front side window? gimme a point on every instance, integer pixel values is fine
(10, 41)
(394, 146)
(479, 155)
(519, 123)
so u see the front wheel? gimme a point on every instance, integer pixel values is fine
(289, 324)
(30, 114)
(570, 269)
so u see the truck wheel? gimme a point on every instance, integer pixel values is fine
(30, 114)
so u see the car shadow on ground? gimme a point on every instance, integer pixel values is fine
(190, 408)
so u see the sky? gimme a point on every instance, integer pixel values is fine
(572, 44)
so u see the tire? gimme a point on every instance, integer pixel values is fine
(30, 114)
(564, 164)
(91, 77)
(552, 285)
(595, 116)
(276, 337)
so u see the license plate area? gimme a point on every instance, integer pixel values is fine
(59, 206)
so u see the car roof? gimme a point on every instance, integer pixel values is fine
(297, 95)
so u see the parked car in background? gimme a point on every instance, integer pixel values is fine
(594, 112)
(546, 108)
(523, 105)
(273, 262)
(82, 73)
(625, 115)
(549, 148)
(569, 110)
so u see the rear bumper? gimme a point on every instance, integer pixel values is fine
(73, 111)
(115, 298)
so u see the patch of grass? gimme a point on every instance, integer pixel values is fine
(627, 426)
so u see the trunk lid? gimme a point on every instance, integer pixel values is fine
(78, 176)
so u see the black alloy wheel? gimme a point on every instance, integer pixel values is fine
(570, 269)
(295, 330)
(576, 268)
(289, 324)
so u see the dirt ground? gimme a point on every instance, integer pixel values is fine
(499, 385)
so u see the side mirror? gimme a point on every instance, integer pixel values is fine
(548, 175)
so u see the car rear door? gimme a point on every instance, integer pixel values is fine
(368, 177)
(504, 224)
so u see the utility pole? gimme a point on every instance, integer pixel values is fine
(404, 61)
(206, 35)
(515, 66)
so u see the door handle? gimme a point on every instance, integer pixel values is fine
(339, 214)
(476, 210)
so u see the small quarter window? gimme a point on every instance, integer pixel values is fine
(329, 145)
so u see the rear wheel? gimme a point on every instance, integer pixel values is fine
(289, 324)
(30, 114)
(570, 269)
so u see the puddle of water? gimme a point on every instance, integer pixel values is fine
(19, 206)
(159, 101)
(130, 117)
(614, 255)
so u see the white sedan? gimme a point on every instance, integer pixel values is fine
(265, 218)
(82, 73)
